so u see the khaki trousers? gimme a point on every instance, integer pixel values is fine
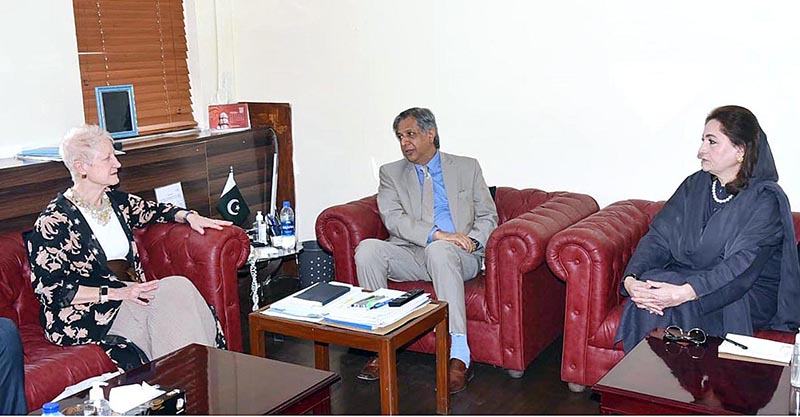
(176, 317)
(441, 262)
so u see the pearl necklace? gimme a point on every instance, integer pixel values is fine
(714, 193)
(102, 214)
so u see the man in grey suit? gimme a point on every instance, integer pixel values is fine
(439, 214)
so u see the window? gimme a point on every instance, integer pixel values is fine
(141, 43)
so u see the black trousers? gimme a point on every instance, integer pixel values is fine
(12, 370)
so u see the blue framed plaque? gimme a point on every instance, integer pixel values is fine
(116, 110)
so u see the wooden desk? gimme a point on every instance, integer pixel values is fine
(385, 345)
(655, 378)
(223, 382)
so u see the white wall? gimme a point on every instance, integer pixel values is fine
(606, 98)
(40, 85)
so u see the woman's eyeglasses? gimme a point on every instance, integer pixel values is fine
(694, 351)
(676, 334)
(696, 337)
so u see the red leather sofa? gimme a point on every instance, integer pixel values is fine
(591, 257)
(210, 261)
(515, 307)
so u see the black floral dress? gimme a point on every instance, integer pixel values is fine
(64, 254)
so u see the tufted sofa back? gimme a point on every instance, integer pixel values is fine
(17, 301)
(796, 217)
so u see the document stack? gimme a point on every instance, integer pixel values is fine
(349, 308)
(757, 350)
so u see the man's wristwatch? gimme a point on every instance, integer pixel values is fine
(475, 242)
(104, 293)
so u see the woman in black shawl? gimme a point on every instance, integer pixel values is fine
(720, 255)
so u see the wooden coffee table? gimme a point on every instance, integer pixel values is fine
(660, 378)
(385, 345)
(222, 382)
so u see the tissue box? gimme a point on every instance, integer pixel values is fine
(172, 402)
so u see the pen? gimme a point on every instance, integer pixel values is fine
(381, 304)
(364, 301)
(734, 343)
(372, 303)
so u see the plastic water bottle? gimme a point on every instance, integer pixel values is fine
(795, 365)
(288, 238)
(261, 228)
(97, 400)
(51, 409)
(794, 390)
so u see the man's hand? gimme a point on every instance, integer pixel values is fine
(458, 239)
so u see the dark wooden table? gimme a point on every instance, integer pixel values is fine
(223, 382)
(668, 378)
(385, 345)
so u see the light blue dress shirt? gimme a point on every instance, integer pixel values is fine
(442, 219)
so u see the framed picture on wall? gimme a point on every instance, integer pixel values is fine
(116, 110)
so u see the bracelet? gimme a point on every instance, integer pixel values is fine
(186, 216)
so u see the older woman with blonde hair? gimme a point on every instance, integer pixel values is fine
(86, 271)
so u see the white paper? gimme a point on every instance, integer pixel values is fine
(172, 194)
(306, 310)
(124, 398)
(85, 384)
(757, 348)
(340, 309)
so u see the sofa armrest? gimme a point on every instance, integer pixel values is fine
(210, 261)
(591, 256)
(518, 246)
(341, 228)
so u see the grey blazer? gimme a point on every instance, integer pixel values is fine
(471, 205)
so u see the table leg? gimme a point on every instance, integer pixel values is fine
(322, 356)
(442, 356)
(387, 358)
(258, 346)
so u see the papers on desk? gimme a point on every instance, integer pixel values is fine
(125, 398)
(758, 350)
(341, 312)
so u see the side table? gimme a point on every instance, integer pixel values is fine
(661, 377)
(274, 258)
(385, 345)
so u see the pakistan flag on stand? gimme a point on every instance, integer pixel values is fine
(231, 203)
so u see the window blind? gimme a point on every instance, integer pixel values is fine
(138, 42)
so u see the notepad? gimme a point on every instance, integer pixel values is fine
(758, 350)
(323, 293)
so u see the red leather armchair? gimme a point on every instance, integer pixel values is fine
(515, 307)
(591, 257)
(209, 261)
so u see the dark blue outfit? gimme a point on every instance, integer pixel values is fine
(12, 370)
(739, 257)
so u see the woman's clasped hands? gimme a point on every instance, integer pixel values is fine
(655, 296)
